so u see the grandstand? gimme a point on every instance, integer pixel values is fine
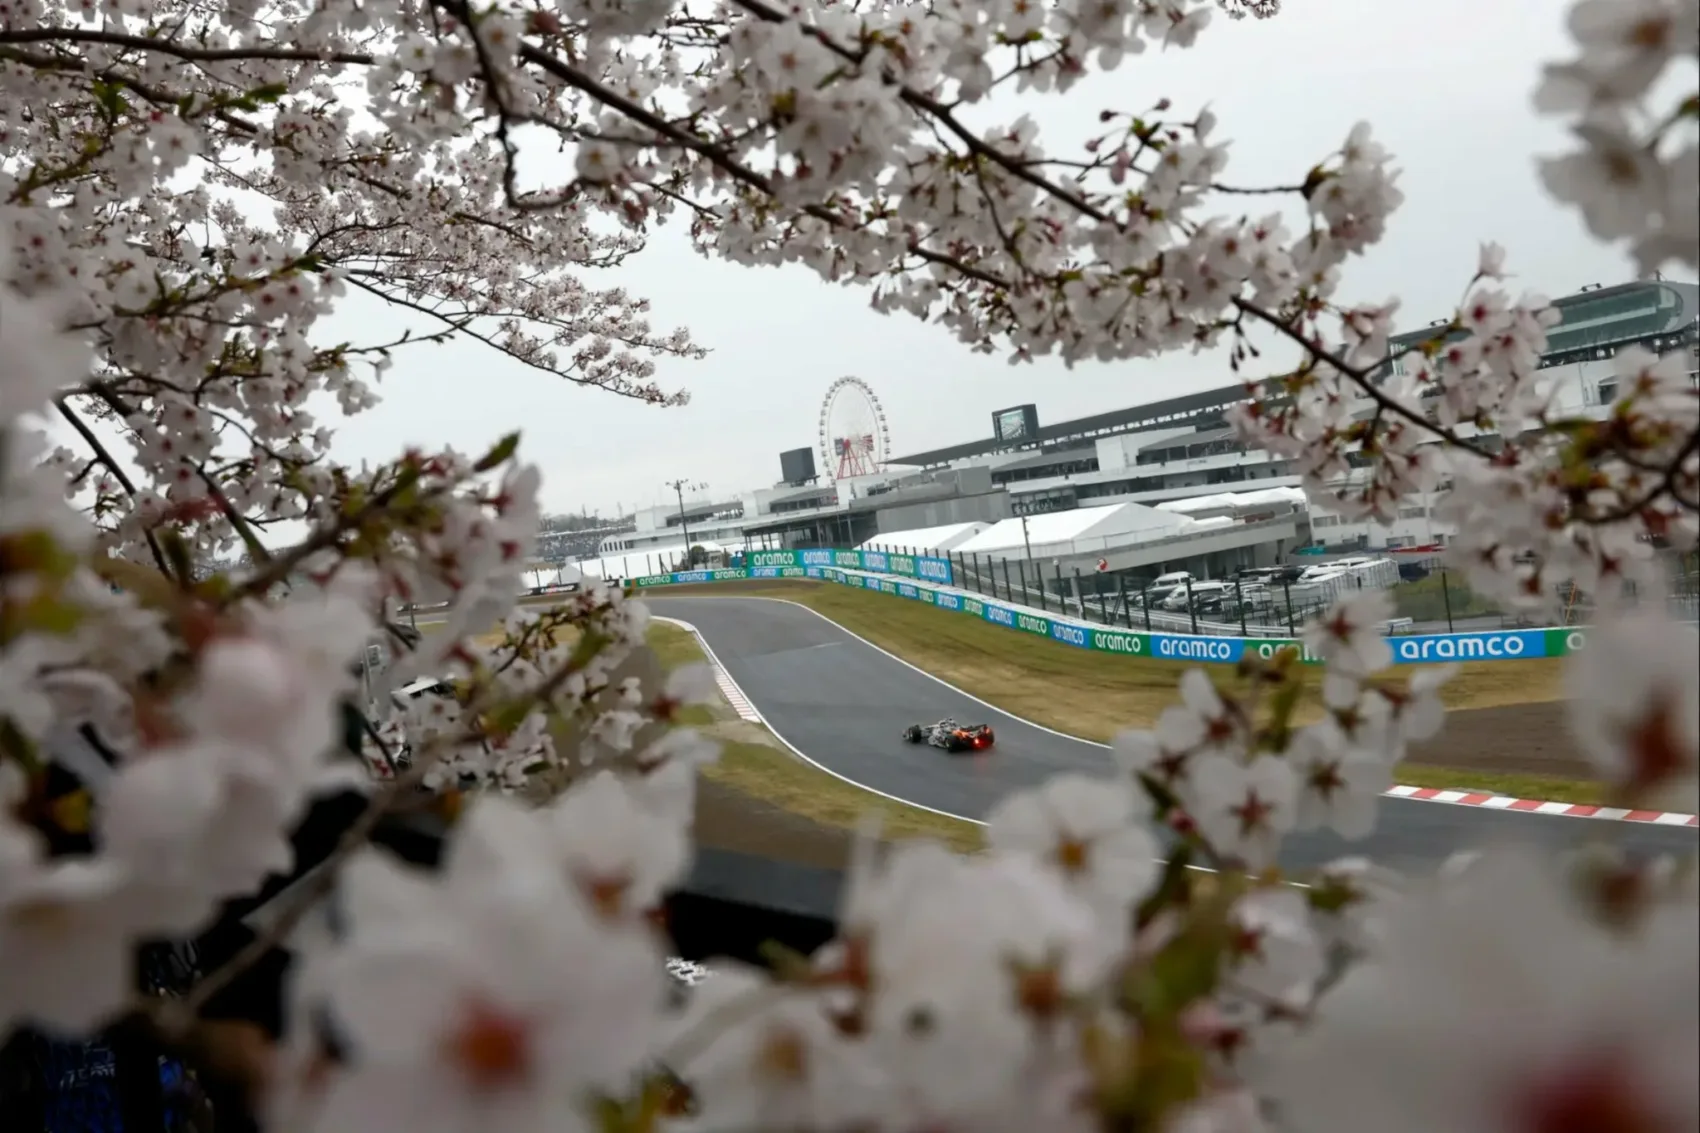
(562, 545)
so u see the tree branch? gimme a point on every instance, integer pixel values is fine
(104, 457)
(180, 51)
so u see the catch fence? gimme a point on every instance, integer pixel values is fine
(1428, 597)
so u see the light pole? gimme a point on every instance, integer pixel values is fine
(679, 487)
(1028, 543)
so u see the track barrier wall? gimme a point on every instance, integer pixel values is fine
(921, 578)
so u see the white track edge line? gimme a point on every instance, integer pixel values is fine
(1461, 794)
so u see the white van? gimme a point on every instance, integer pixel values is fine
(1171, 580)
(1333, 567)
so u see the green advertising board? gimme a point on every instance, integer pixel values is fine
(1120, 641)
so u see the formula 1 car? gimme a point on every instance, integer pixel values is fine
(950, 735)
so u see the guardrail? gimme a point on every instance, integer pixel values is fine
(1409, 649)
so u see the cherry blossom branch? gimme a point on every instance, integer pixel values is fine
(576, 79)
(177, 1017)
(463, 324)
(1359, 377)
(256, 549)
(104, 457)
(937, 111)
(177, 50)
(279, 568)
(1666, 486)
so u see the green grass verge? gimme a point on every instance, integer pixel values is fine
(1094, 696)
(1440, 597)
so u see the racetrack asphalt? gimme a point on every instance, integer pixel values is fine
(845, 703)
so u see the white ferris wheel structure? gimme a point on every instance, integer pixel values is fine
(854, 438)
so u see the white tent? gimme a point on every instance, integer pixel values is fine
(924, 540)
(552, 576)
(1237, 503)
(1078, 532)
(650, 560)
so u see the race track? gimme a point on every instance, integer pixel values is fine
(845, 703)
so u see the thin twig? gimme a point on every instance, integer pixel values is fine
(104, 457)
(1359, 377)
(178, 50)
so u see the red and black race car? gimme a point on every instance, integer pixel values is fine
(951, 736)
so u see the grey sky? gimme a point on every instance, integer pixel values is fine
(1446, 83)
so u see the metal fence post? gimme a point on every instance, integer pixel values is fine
(1008, 594)
(1079, 594)
(1062, 588)
(1446, 600)
(1239, 600)
(1145, 604)
(1121, 590)
(1191, 609)
(1021, 573)
(974, 574)
(1287, 591)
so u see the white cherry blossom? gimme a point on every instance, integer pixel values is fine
(1090, 830)
(208, 186)
(1634, 700)
(620, 854)
(1244, 809)
(1339, 787)
(455, 999)
(66, 932)
(1492, 1003)
(1351, 636)
(784, 1063)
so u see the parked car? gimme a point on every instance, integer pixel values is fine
(1197, 592)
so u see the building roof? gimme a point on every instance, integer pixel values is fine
(1050, 527)
(1103, 526)
(1187, 440)
(1148, 416)
(1062, 455)
(1258, 498)
(1600, 314)
(784, 492)
(944, 537)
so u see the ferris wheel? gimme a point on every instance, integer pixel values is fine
(854, 440)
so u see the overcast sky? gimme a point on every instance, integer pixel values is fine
(1445, 82)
